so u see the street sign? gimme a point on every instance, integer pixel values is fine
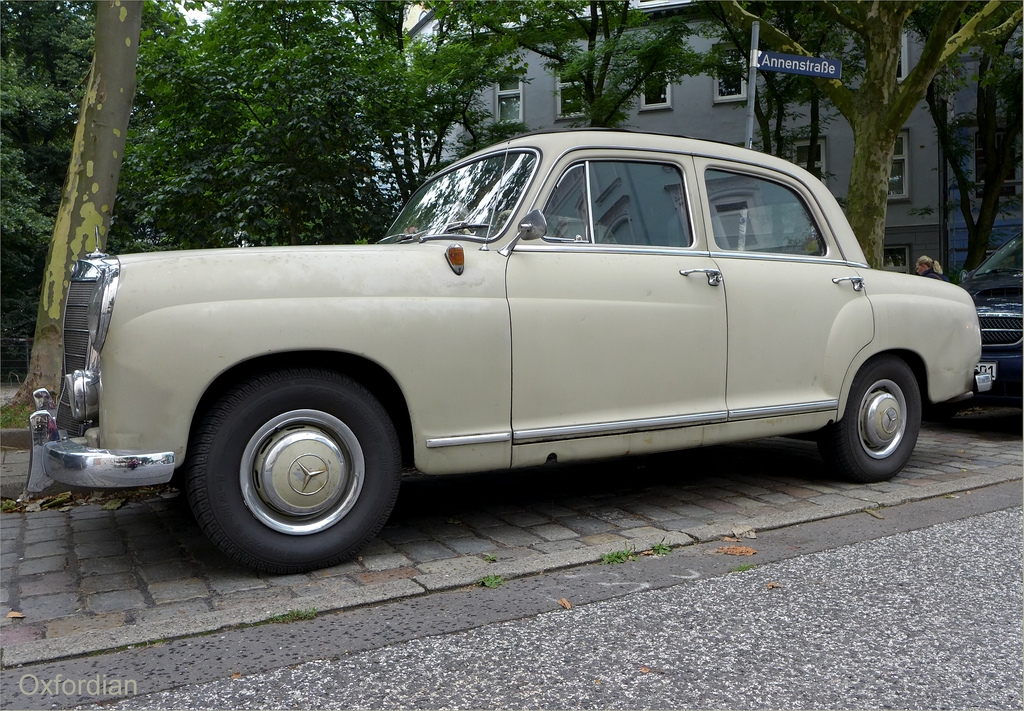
(797, 64)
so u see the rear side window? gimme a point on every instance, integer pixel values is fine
(629, 203)
(752, 214)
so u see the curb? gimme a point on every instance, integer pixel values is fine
(15, 438)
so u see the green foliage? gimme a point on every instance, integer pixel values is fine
(620, 556)
(45, 49)
(661, 549)
(491, 581)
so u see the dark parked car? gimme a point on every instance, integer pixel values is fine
(995, 287)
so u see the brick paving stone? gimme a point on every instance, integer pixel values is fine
(164, 553)
(252, 599)
(681, 524)
(93, 524)
(47, 584)
(396, 535)
(585, 525)
(45, 548)
(443, 530)
(386, 576)
(387, 561)
(525, 518)
(48, 607)
(75, 625)
(40, 535)
(453, 566)
(650, 511)
(777, 497)
(106, 583)
(720, 506)
(168, 570)
(551, 510)
(323, 586)
(799, 492)
(480, 520)
(11, 526)
(44, 519)
(420, 551)
(101, 549)
(376, 547)
(96, 535)
(349, 566)
(472, 546)
(43, 565)
(512, 536)
(559, 546)
(285, 581)
(83, 513)
(749, 489)
(642, 532)
(175, 590)
(228, 582)
(18, 634)
(115, 601)
(105, 566)
(600, 539)
(554, 532)
(692, 511)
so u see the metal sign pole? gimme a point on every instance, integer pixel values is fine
(755, 31)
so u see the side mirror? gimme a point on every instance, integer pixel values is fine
(533, 226)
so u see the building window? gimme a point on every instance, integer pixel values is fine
(898, 177)
(902, 69)
(731, 88)
(656, 94)
(1010, 187)
(509, 101)
(802, 149)
(896, 259)
(568, 99)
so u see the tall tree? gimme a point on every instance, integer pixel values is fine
(87, 202)
(604, 52)
(877, 103)
(993, 67)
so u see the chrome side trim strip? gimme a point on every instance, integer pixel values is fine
(589, 247)
(461, 440)
(799, 408)
(620, 427)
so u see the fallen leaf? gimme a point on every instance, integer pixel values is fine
(14, 614)
(772, 586)
(869, 512)
(565, 603)
(736, 550)
(236, 675)
(454, 521)
(112, 505)
(58, 500)
(34, 507)
(645, 670)
(731, 539)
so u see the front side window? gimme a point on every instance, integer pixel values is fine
(475, 200)
(752, 214)
(620, 202)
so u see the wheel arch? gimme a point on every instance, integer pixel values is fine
(913, 360)
(369, 374)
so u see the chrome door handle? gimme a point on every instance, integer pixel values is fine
(714, 276)
(858, 282)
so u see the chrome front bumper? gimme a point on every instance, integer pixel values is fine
(55, 457)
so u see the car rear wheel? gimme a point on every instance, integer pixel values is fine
(878, 431)
(293, 470)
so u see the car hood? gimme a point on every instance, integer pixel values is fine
(1001, 290)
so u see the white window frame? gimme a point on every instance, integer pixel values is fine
(666, 104)
(822, 163)
(902, 70)
(558, 100)
(500, 94)
(719, 98)
(905, 159)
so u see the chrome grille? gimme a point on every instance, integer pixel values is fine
(1000, 329)
(76, 349)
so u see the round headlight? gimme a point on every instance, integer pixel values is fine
(102, 304)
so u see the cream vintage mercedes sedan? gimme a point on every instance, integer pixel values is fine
(562, 296)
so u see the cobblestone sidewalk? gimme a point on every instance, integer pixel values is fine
(90, 579)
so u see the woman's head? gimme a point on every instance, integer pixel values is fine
(924, 263)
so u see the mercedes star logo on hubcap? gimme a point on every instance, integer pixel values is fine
(308, 475)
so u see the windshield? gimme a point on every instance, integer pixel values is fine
(1006, 259)
(477, 199)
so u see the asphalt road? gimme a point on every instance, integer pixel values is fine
(921, 609)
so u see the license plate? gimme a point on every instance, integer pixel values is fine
(986, 369)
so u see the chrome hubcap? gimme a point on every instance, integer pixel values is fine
(882, 421)
(302, 472)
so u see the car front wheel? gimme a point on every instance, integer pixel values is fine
(293, 470)
(878, 430)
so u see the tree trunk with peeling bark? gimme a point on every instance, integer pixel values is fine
(87, 201)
